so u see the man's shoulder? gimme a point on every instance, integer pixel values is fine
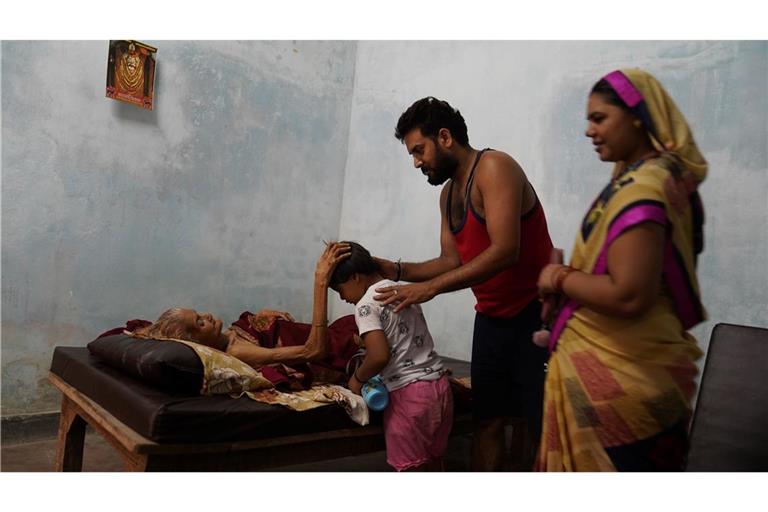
(499, 169)
(496, 155)
(498, 162)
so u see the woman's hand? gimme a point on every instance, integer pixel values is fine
(546, 279)
(333, 254)
(551, 303)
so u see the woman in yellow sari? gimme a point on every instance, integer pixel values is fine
(621, 373)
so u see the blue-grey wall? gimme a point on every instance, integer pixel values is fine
(218, 199)
(529, 99)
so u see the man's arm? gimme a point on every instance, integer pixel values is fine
(501, 182)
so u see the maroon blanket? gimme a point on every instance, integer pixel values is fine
(271, 332)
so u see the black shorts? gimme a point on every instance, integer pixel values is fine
(508, 369)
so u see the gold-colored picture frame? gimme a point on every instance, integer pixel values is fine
(131, 72)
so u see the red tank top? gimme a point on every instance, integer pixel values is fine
(508, 292)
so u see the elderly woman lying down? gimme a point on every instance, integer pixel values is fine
(246, 338)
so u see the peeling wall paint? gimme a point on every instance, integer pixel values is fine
(529, 99)
(218, 199)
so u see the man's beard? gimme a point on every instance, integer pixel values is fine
(444, 169)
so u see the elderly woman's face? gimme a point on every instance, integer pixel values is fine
(203, 327)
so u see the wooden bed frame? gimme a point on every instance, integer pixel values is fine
(141, 454)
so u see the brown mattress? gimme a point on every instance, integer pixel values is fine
(172, 417)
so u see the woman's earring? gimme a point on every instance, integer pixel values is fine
(637, 123)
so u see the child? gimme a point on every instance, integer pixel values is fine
(398, 347)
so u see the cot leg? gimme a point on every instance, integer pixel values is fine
(135, 463)
(69, 451)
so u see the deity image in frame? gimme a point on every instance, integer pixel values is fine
(131, 72)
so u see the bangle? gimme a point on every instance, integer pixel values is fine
(321, 325)
(559, 278)
(399, 270)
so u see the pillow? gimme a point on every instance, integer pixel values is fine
(163, 364)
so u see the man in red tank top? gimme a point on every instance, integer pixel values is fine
(494, 239)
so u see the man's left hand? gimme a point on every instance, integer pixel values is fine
(403, 295)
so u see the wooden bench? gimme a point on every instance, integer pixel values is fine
(141, 454)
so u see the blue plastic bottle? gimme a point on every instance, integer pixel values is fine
(375, 394)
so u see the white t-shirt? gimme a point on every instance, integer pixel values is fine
(411, 349)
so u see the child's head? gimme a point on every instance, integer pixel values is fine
(352, 276)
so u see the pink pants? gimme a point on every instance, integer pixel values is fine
(417, 423)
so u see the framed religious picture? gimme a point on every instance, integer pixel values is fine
(131, 73)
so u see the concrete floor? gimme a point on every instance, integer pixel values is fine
(40, 455)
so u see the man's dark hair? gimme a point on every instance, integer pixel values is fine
(359, 262)
(430, 115)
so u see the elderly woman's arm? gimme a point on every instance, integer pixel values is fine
(316, 346)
